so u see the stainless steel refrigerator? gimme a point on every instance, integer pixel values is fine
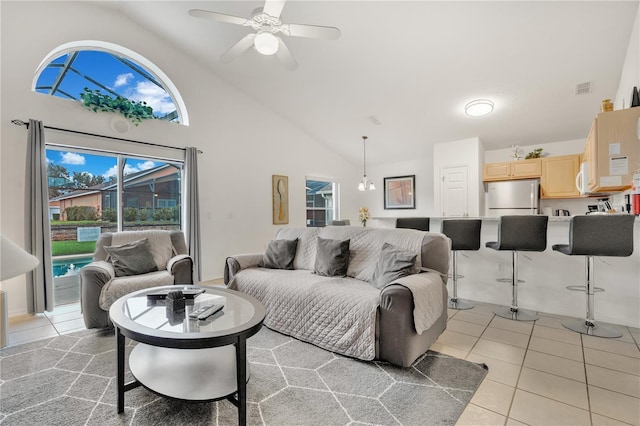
(514, 197)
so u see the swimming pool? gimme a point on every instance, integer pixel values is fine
(70, 266)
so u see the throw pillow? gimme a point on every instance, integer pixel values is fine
(280, 254)
(332, 257)
(133, 258)
(393, 263)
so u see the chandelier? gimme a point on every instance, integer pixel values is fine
(365, 184)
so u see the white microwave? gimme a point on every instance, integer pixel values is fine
(582, 179)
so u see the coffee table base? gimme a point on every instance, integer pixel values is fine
(187, 374)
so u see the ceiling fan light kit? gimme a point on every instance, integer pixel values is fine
(266, 43)
(479, 107)
(267, 24)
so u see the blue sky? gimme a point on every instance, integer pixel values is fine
(111, 72)
(96, 165)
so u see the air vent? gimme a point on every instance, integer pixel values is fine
(583, 88)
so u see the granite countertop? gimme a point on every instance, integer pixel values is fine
(491, 218)
(495, 219)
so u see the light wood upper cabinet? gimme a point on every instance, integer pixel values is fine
(613, 150)
(523, 169)
(558, 178)
(526, 169)
(590, 156)
(497, 171)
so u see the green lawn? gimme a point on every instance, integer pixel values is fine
(65, 248)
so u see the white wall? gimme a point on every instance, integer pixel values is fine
(422, 168)
(243, 143)
(630, 75)
(575, 146)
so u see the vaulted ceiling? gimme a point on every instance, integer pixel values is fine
(401, 72)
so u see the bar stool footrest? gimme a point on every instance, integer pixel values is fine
(516, 314)
(584, 288)
(459, 304)
(591, 328)
(508, 280)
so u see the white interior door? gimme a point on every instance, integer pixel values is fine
(454, 191)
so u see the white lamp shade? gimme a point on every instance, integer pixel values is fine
(14, 260)
(266, 43)
(366, 185)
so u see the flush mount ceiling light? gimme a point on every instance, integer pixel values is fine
(266, 43)
(479, 107)
(365, 184)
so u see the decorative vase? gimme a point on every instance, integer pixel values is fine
(635, 98)
(606, 106)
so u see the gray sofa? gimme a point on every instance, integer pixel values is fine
(100, 287)
(348, 315)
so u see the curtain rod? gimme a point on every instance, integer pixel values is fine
(26, 124)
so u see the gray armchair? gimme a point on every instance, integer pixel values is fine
(100, 287)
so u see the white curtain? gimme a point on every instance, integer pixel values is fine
(192, 230)
(40, 289)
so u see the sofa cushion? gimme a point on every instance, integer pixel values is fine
(280, 254)
(160, 243)
(366, 244)
(307, 245)
(118, 287)
(393, 263)
(332, 258)
(132, 258)
(337, 314)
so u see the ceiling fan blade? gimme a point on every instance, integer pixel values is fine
(238, 49)
(273, 7)
(221, 17)
(311, 31)
(285, 56)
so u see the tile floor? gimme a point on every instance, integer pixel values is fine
(543, 374)
(539, 372)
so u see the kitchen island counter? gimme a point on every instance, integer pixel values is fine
(547, 274)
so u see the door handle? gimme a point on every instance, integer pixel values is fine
(579, 181)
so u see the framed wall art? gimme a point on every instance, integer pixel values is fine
(280, 191)
(400, 192)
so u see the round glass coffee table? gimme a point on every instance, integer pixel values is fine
(184, 358)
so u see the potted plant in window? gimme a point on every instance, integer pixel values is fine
(98, 101)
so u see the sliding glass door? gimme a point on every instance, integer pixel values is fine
(84, 202)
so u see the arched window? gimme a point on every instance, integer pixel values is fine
(115, 71)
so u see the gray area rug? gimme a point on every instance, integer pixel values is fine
(70, 380)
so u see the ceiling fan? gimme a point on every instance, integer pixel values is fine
(267, 24)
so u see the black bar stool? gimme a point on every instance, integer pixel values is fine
(464, 235)
(596, 235)
(419, 223)
(519, 233)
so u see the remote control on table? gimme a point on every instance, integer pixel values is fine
(187, 293)
(206, 311)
